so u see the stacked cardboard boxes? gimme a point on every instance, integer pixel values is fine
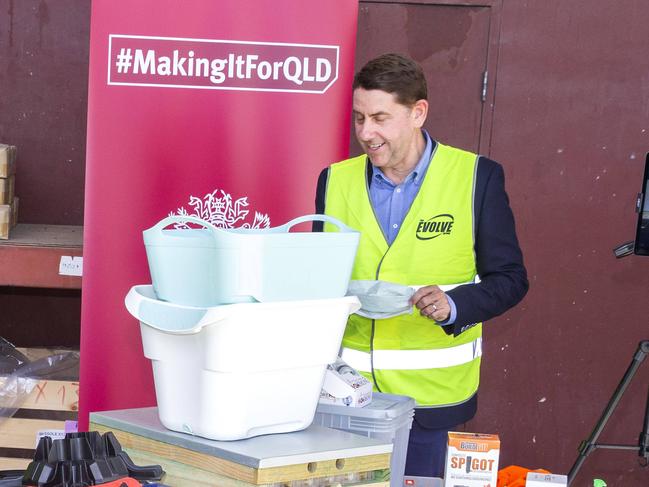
(8, 199)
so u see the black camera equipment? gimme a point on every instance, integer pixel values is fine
(639, 246)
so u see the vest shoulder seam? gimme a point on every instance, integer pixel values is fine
(350, 161)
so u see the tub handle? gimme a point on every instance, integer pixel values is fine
(165, 222)
(323, 218)
(135, 300)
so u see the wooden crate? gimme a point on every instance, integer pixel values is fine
(7, 160)
(5, 221)
(49, 405)
(7, 190)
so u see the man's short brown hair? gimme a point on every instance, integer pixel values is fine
(396, 74)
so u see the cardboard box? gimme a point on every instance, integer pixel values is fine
(535, 479)
(5, 221)
(7, 160)
(7, 190)
(471, 460)
(344, 386)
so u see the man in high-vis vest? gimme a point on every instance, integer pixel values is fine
(435, 218)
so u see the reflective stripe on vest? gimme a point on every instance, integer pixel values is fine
(413, 359)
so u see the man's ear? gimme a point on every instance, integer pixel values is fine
(419, 112)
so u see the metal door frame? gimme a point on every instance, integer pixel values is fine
(493, 43)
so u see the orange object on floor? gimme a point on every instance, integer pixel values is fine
(514, 476)
(123, 482)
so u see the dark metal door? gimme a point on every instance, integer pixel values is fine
(451, 43)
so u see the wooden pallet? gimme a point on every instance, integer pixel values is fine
(48, 406)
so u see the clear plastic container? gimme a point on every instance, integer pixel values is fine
(388, 417)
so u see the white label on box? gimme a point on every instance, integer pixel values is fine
(535, 479)
(54, 434)
(71, 266)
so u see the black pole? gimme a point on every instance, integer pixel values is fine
(589, 445)
(644, 436)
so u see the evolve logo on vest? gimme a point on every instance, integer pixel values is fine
(435, 227)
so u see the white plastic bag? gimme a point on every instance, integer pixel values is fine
(381, 299)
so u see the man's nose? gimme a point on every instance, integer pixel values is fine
(365, 130)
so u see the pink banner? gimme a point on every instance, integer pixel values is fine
(224, 109)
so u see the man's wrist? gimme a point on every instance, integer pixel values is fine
(452, 316)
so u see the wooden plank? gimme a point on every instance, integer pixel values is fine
(34, 235)
(50, 395)
(21, 433)
(36, 267)
(7, 463)
(31, 257)
(245, 473)
(27, 453)
(181, 475)
(326, 468)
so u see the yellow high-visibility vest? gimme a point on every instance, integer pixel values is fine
(410, 354)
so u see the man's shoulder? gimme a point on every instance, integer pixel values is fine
(349, 167)
(488, 169)
(341, 168)
(484, 161)
(488, 164)
(352, 161)
(458, 155)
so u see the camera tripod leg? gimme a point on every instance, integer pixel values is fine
(589, 445)
(644, 435)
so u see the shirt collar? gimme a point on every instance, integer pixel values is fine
(418, 172)
(422, 165)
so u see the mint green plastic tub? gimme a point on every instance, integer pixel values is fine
(210, 266)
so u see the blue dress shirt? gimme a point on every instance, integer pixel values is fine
(391, 201)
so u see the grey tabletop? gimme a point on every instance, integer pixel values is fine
(316, 443)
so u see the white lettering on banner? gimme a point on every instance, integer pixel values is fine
(221, 64)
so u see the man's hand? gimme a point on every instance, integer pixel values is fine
(432, 303)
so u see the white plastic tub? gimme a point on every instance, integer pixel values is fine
(210, 266)
(236, 371)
